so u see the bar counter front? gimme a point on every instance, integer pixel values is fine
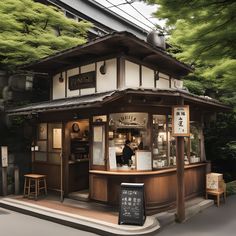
(160, 185)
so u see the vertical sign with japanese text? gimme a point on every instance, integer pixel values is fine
(4, 155)
(180, 121)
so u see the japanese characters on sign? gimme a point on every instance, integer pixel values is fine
(4, 155)
(180, 121)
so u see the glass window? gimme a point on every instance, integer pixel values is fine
(128, 133)
(195, 143)
(160, 142)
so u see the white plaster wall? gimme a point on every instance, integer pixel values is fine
(87, 91)
(162, 83)
(147, 77)
(71, 72)
(58, 90)
(108, 81)
(131, 74)
(163, 75)
(88, 68)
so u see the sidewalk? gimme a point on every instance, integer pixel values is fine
(95, 217)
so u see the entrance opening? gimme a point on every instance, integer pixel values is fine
(79, 158)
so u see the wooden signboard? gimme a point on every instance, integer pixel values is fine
(180, 121)
(132, 204)
(4, 156)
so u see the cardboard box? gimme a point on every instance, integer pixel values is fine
(213, 181)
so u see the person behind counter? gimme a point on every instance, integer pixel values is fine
(127, 152)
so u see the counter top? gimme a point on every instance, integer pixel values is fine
(135, 172)
(78, 161)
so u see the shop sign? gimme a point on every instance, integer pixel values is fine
(180, 121)
(4, 156)
(129, 120)
(132, 204)
(82, 81)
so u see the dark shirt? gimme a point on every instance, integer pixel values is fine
(127, 153)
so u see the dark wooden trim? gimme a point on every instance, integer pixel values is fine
(96, 77)
(66, 80)
(65, 155)
(140, 75)
(169, 81)
(51, 88)
(79, 73)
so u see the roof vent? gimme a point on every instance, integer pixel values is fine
(156, 39)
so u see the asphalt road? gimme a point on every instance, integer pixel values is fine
(16, 224)
(213, 221)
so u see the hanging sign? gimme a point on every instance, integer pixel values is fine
(4, 155)
(180, 121)
(132, 204)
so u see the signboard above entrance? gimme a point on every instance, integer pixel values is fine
(82, 81)
(180, 121)
(129, 120)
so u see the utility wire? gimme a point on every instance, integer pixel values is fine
(113, 5)
(130, 3)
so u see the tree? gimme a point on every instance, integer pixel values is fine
(203, 33)
(30, 30)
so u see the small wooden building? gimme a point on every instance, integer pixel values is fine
(111, 89)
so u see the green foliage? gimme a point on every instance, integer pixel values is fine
(30, 31)
(203, 33)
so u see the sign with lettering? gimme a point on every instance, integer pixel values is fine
(4, 156)
(81, 81)
(132, 204)
(129, 120)
(180, 121)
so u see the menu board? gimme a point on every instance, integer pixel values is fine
(132, 204)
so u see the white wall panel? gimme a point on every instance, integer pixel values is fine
(162, 84)
(87, 91)
(131, 74)
(108, 81)
(88, 68)
(71, 72)
(58, 90)
(147, 77)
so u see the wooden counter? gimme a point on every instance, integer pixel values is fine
(160, 185)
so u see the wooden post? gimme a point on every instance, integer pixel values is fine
(17, 180)
(180, 217)
(4, 181)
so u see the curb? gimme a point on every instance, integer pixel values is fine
(80, 222)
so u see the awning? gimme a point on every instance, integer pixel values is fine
(99, 99)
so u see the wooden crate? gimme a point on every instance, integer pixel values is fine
(213, 181)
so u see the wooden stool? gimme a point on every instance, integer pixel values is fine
(32, 185)
(218, 193)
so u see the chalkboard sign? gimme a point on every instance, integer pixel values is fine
(132, 204)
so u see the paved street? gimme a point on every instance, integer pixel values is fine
(213, 221)
(12, 223)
